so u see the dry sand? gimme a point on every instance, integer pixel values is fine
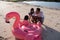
(51, 27)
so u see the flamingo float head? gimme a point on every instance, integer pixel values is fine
(11, 15)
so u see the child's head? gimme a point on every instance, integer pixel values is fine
(35, 19)
(37, 10)
(26, 17)
(32, 10)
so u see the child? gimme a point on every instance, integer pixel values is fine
(25, 21)
(31, 11)
(26, 17)
(30, 14)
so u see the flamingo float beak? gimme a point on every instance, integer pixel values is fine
(7, 21)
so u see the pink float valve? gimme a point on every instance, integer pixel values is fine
(24, 30)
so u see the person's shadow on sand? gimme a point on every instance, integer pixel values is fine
(50, 34)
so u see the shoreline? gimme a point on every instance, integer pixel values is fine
(26, 2)
(42, 6)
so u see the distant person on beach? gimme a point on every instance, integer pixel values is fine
(38, 15)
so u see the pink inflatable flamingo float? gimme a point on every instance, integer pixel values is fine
(24, 30)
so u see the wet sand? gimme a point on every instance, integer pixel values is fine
(51, 27)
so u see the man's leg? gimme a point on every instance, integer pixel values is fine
(41, 20)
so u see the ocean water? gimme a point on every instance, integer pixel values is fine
(55, 5)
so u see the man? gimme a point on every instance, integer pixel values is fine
(38, 15)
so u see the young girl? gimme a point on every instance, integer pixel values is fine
(30, 14)
(31, 11)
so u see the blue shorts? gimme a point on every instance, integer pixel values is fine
(41, 20)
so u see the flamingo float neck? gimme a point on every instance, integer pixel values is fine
(11, 15)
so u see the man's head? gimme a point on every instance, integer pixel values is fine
(37, 10)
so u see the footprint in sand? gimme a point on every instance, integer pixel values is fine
(2, 38)
(57, 25)
(0, 15)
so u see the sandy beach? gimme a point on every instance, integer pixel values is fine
(51, 27)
